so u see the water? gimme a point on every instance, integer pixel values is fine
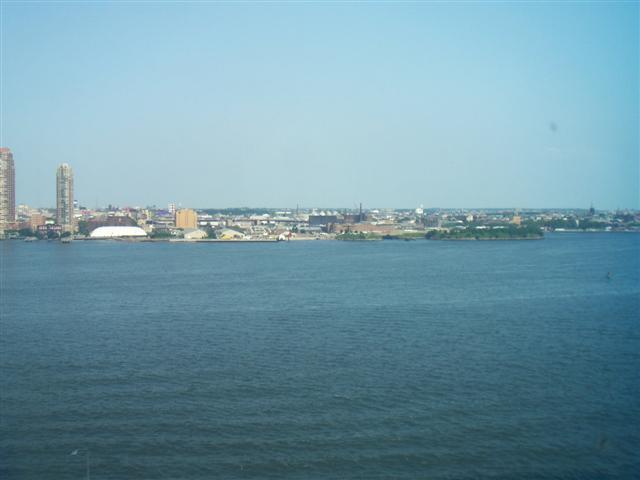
(307, 360)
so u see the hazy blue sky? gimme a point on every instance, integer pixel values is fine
(479, 105)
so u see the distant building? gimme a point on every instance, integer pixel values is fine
(7, 190)
(322, 220)
(117, 232)
(229, 234)
(194, 234)
(23, 210)
(186, 218)
(35, 220)
(64, 197)
(171, 208)
(355, 217)
(48, 228)
(110, 221)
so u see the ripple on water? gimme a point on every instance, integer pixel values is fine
(322, 360)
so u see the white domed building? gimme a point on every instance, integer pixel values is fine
(118, 232)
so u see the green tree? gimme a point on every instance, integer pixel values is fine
(83, 227)
(160, 234)
(211, 233)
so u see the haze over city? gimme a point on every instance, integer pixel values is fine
(324, 105)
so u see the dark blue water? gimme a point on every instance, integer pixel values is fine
(309, 360)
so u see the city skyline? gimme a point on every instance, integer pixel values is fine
(481, 106)
(65, 183)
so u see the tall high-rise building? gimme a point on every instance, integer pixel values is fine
(7, 190)
(64, 197)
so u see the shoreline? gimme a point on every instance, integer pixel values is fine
(482, 239)
(306, 239)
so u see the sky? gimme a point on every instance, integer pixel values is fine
(480, 105)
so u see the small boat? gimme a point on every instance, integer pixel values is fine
(66, 240)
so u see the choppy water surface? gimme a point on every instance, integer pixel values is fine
(310, 360)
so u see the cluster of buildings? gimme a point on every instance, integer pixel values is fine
(70, 218)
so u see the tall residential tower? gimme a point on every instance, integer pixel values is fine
(7, 190)
(64, 197)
